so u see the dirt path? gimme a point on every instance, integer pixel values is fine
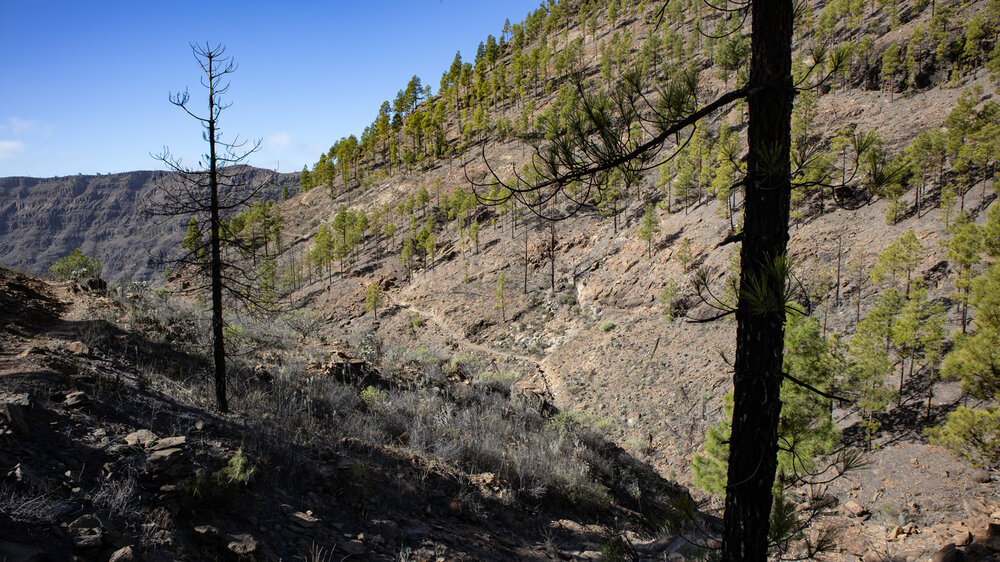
(551, 384)
(30, 310)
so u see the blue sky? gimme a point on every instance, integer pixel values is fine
(84, 84)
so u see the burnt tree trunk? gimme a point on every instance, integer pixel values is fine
(760, 312)
(218, 339)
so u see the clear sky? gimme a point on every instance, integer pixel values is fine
(84, 84)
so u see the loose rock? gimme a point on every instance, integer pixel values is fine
(124, 554)
(303, 520)
(78, 348)
(142, 437)
(78, 399)
(242, 544)
(169, 443)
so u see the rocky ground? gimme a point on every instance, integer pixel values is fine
(109, 453)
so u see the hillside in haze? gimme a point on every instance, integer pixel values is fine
(44, 219)
(440, 343)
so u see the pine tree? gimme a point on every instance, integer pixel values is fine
(964, 248)
(322, 249)
(890, 63)
(406, 253)
(684, 254)
(650, 228)
(210, 193)
(974, 434)
(870, 364)
(902, 256)
(668, 299)
(474, 233)
(598, 149)
(193, 241)
(306, 181)
(806, 431)
(918, 335)
(501, 295)
(373, 298)
(422, 198)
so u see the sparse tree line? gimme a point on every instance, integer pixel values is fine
(497, 95)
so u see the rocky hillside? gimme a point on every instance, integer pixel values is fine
(43, 219)
(580, 313)
(108, 450)
(398, 279)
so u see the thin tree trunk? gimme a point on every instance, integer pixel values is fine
(552, 255)
(840, 247)
(218, 339)
(526, 259)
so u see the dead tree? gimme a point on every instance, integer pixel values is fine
(220, 185)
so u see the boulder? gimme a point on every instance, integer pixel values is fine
(976, 552)
(992, 539)
(169, 443)
(90, 538)
(207, 533)
(164, 457)
(84, 523)
(355, 547)
(981, 477)
(78, 348)
(94, 285)
(142, 437)
(963, 538)
(855, 509)
(167, 463)
(124, 554)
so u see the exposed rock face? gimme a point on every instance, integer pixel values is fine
(43, 219)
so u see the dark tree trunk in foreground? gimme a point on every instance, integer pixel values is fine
(760, 314)
(589, 150)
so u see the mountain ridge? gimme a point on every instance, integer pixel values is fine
(43, 219)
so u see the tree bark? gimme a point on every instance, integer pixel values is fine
(760, 313)
(218, 339)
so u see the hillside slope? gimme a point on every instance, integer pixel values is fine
(108, 450)
(569, 314)
(589, 331)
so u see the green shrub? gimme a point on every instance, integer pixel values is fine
(971, 435)
(607, 326)
(221, 484)
(614, 549)
(76, 265)
(373, 396)
(239, 470)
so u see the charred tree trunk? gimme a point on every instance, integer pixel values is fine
(218, 339)
(760, 312)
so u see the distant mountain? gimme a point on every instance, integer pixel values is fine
(43, 219)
